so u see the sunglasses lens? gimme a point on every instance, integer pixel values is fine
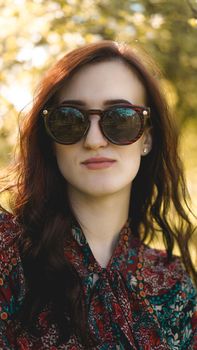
(122, 125)
(66, 125)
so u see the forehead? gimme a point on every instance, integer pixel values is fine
(108, 80)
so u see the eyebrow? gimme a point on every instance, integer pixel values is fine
(106, 103)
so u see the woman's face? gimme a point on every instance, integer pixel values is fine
(94, 86)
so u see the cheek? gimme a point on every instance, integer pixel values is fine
(130, 166)
(65, 158)
(64, 162)
(131, 158)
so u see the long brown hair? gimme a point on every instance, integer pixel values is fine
(38, 194)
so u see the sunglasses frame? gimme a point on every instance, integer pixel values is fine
(143, 112)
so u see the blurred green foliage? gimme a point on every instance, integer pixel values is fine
(34, 33)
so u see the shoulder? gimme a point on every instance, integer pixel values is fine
(161, 274)
(9, 234)
(9, 229)
(11, 272)
(12, 284)
(10, 262)
(172, 295)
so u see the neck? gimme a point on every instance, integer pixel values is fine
(101, 218)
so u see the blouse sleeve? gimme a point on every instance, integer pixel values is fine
(188, 322)
(174, 299)
(184, 315)
(11, 279)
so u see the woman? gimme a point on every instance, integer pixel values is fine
(98, 172)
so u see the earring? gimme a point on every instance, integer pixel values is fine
(145, 150)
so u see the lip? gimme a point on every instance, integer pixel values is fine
(98, 163)
(98, 160)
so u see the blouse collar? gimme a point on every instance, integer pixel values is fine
(82, 257)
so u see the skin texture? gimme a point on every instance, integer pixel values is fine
(96, 194)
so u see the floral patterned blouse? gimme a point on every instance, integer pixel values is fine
(138, 302)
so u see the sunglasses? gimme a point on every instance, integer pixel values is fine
(120, 124)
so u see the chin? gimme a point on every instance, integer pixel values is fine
(103, 191)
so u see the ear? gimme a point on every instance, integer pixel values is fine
(146, 142)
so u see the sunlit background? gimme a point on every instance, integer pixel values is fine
(35, 33)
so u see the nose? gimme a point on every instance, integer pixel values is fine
(95, 138)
